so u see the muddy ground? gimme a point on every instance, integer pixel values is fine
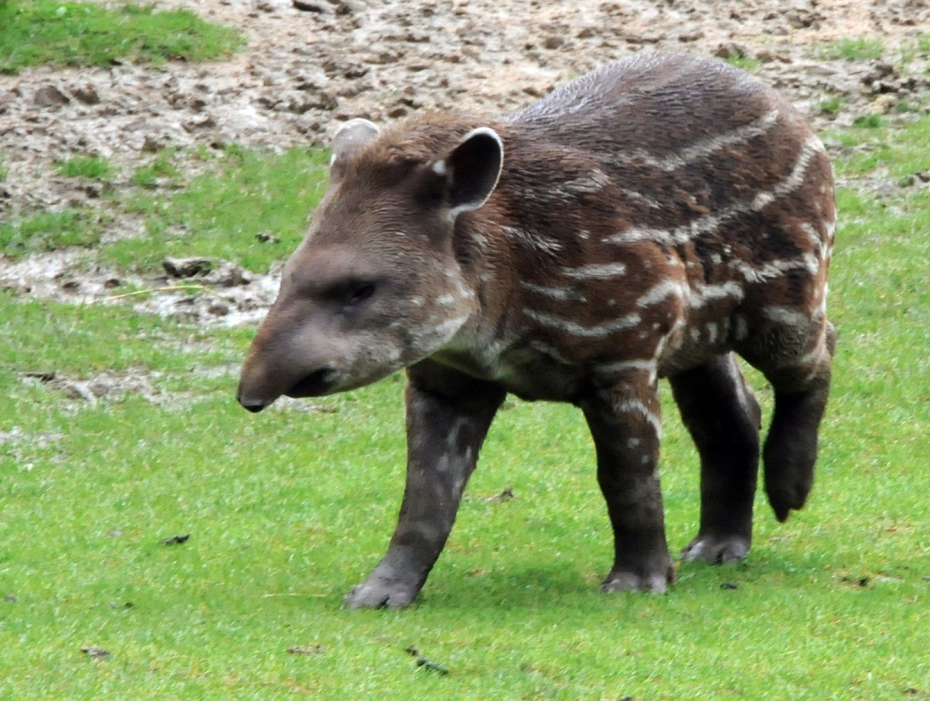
(304, 70)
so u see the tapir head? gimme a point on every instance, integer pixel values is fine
(375, 285)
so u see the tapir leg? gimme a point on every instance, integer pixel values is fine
(801, 390)
(723, 416)
(447, 420)
(625, 423)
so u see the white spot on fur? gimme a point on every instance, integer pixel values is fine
(661, 291)
(710, 223)
(635, 406)
(742, 329)
(705, 147)
(559, 293)
(576, 329)
(786, 315)
(776, 268)
(593, 181)
(596, 271)
(550, 352)
(637, 365)
(532, 240)
(701, 295)
(641, 198)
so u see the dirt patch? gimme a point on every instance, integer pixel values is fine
(105, 387)
(224, 294)
(305, 70)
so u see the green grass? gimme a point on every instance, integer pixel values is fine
(854, 49)
(745, 63)
(900, 151)
(160, 167)
(85, 167)
(222, 210)
(3, 169)
(49, 231)
(831, 105)
(34, 32)
(287, 510)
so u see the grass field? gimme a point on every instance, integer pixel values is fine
(33, 32)
(287, 510)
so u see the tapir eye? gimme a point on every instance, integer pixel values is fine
(359, 292)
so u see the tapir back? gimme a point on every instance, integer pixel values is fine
(688, 205)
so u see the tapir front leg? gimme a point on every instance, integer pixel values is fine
(448, 417)
(625, 423)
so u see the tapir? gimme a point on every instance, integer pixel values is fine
(655, 218)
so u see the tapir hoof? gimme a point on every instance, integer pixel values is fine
(717, 549)
(654, 582)
(785, 497)
(378, 593)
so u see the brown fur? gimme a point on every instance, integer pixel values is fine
(649, 220)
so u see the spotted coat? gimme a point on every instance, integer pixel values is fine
(652, 219)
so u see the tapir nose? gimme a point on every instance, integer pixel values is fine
(253, 405)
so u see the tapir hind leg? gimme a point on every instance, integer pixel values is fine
(796, 357)
(448, 417)
(801, 388)
(723, 417)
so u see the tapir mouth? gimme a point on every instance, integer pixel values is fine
(313, 385)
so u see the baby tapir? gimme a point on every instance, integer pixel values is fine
(650, 219)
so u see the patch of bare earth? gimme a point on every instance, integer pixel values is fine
(304, 70)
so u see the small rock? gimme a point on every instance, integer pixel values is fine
(314, 649)
(228, 275)
(265, 237)
(730, 49)
(101, 387)
(41, 375)
(729, 585)
(50, 96)
(10, 599)
(86, 94)
(879, 70)
(883, 104)
(187, 267)
(690, 36)
(553, 42)
(151, 144)
(176, 539)
(218, 309)
(76, 390)
(71, 285)
(506, 495)
(112, 282)
(304, 6)
(201, 122)
(97, 653)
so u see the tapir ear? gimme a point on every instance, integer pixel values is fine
(472, 170)
(350, 138)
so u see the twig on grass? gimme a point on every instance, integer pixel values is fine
(152, 290)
